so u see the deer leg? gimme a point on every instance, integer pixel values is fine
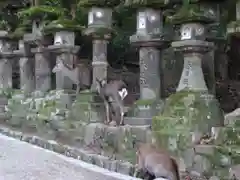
(136, 171)
(121, 115)
(107, 112)
(78, 89)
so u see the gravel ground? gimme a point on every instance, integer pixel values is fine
(23, 161)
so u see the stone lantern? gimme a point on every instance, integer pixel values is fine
(99, 27)
(150, 39)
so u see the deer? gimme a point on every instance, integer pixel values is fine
(80, 75)
(156, 162)
(113, 94)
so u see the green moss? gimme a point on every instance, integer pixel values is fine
(153, 105)
(9, 92)
(41, 12)
(144, 102)
(98, 3)
(100, 32)
(19, 32)
(189, 13)
(146, 3)
(186, 112)
(61, 25)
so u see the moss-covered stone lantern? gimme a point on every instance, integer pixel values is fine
(38, 15)
(150, 38)
(100, 30)
(192, 111)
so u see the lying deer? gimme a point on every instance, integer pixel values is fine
(80, 75)
(156, 162)
(113, 94)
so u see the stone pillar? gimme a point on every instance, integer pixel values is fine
(149, 73)
(64, 39)
(99, 28)
(193, 48)
(26, 64)
(99, 62)
(42, 69)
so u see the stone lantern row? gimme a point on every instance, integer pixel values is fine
(149, 37)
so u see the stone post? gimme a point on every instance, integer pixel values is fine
(99, 62)
(42, 69)
(65, 49)
(26, 65)
(5, 63)
(150, 41)
(6, 56)
(99, 27)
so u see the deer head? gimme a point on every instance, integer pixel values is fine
(100, 84)
(58, 67)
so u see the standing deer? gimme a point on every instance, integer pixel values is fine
(80, 75)
(156, 162)
(113, 94)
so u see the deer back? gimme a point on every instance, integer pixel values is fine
(157, 161)
(85, 74)
(84, 70)
(112, 88)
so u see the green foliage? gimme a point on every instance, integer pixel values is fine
(98, 3)
(146, 3)
(43, 12)
(190, 12)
